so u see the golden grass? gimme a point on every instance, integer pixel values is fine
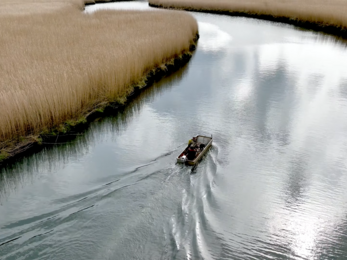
(25, 7)
(323, 13)
(59, 64)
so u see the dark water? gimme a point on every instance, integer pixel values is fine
(273, 186)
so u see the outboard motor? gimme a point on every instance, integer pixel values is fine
(182, 159)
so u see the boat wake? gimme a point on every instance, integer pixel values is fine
(163, 200)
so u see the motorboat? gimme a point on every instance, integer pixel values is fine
(200, 147)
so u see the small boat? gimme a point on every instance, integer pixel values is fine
(203, 143)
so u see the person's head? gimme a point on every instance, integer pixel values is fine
(194, 138)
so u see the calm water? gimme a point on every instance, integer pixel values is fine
(273, 186)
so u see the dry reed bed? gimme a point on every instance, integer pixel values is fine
(329, 16)
(25, 7)
(60, 65)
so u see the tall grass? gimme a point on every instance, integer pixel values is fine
(58, 65)
(328, 15)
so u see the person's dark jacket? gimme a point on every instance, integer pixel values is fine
(191, 154)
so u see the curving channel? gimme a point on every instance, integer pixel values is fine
(274, 97)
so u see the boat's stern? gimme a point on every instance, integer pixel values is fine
(182, 159)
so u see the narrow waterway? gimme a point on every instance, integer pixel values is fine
(273, 186)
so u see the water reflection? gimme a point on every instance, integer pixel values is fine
(134, 5)
(216, 39)
(282, 93)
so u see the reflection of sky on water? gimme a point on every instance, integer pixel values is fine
(274, 99)
(298, 86)
(120, 6)
(215, 39)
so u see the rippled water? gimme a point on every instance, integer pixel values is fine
(274, 97)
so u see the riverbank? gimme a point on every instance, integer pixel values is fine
(329, 17)
(67, 131)
(61, 65)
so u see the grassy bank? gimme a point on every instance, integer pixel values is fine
(58, 64)
(327, 16)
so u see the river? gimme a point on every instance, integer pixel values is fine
(273, 185)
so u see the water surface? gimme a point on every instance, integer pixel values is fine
(274, 97)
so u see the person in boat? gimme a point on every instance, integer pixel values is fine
(192, 142)
(191, 153)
